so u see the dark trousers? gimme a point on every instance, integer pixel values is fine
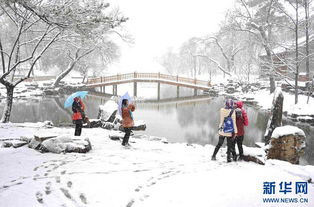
(239, 141)
(78, 129)
(126, 136)
(230, 146)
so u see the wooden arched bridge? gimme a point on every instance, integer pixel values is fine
(159, 78)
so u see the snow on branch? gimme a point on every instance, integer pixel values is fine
(214, 61)
(37, 58)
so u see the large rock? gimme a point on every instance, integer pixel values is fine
(35, 143)
(50, 92)
(138, 126)
(108, 125)
(254, 154)
(94, 123)
(287, 143)
(108, 111)
(116, 135)
(14, 143)
(66, 143)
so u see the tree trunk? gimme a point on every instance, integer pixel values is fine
(84, 78)
(307, 51)
(310, 91)
(296, 54)
(272, 83)
(8, 107)
(275, 119)
(64, 73)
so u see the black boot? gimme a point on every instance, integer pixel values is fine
(228, 157)
(240, 157)
(234, 158)
(215, 152)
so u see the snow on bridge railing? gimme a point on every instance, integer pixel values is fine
(132, 76)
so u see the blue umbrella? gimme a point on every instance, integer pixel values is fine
(125, 96)
(70, 99)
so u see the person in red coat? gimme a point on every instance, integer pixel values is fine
(127, 120)
(241, 121)
(78, 116)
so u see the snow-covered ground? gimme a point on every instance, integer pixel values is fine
(264, 99)
(150, 173)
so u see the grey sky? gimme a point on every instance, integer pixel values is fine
(158, 25)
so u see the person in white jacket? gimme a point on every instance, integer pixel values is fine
(226, 130)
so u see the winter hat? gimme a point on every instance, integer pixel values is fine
(229, 104)
(239, 104)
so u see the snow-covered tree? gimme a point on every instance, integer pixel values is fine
(36, 25)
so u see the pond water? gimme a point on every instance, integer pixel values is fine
(183, 121)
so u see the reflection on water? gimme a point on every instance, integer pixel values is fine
(194, 121)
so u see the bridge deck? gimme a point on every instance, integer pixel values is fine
(148, 77)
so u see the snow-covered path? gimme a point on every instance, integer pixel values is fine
(150, 173)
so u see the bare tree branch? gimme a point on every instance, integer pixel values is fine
(246, 8)
(31, 56)
(9, 15)
(216, 62)
(2, 56)
(37, 58)
(15, 43)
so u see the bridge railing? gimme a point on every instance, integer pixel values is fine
(128, 76)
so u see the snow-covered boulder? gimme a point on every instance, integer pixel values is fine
(139, 125)
(254, 154)
(287, 143)
(94, 123)
(116, 135)
(108, 125)
(108, 111)
(66, 143)
(35, 142)
(14, 143)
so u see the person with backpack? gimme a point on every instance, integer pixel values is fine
(241, 121)
(227, 129)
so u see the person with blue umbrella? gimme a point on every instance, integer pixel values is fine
(78, 116)
(78, 109)
(127, 119)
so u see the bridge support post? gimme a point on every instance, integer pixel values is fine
(158, 91)
(178, 91)
(195, 92)
(135, 89)
(103, 89)
(115, 90)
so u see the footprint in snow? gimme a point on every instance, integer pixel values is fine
(83, 198)
(48, 188)
(138, 188)
(69, 184)
(130, 203)
(39, 197)
(36, 177)
(58, 179)
(66, 193)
